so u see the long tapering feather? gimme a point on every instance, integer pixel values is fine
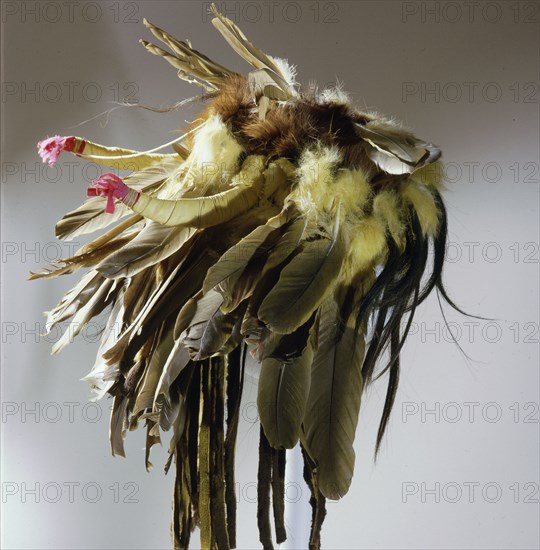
(226, 272)
(255, 57)
(77, 297)
(188, 60)
(334, 400)
(95, 305)
(164, 344)
(103, 376)
(209, 328)
(303, 283)
(282, 395)
(153, 243)
(117, 425)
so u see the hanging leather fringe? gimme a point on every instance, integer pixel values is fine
(278, 493)
(185, 499)
(205, 458)
(317, 501)
(235, 382)
(217, 455)
(204, 493)
(182, 516)
(264, 479)
(192, 446)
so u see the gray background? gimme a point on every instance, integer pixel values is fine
(464, 76)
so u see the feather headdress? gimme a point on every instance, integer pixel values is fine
(288, 225)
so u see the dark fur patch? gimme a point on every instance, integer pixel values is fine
(289, 128)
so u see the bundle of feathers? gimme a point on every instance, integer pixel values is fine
(286, 225)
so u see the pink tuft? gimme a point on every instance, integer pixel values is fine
(111, 186)
(49, 149)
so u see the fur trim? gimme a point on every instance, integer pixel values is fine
(334, 95)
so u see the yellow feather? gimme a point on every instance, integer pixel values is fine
(367, 246)
(321, 190)
(316, 179)
(424, 204)
(353, 191)
(387, 208)
(431, 175)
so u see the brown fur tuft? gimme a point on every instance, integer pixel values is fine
(289, 127)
